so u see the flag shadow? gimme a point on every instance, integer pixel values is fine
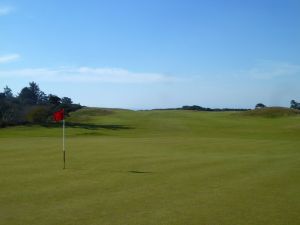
(138, 171)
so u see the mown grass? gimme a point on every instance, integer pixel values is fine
(153, 167)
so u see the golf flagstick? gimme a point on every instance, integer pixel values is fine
(64, 150)
(60, 116)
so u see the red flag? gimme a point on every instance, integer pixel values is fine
(59, 115)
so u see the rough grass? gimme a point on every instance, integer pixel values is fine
(272, 112)
(166, 167)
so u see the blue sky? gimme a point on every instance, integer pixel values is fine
(143, 54)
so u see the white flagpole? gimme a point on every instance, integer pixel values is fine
(64, 150)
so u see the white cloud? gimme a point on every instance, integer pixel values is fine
(4, 10)
(9, 58)
(270, 69)
(86, 74)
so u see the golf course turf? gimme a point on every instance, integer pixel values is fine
(158, 167)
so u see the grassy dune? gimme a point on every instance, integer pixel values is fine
(153, 167)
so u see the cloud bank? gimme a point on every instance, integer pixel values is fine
(267, 69)
(86, 74)
(9, 58)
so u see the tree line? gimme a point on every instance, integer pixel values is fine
(31, 105)
(294, 105)
(200, 108)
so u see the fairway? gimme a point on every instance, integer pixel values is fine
(158, 167)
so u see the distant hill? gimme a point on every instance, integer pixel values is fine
(200, 108)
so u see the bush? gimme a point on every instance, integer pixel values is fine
(38, 114)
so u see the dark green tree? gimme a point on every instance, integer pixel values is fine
(66, 101)
(30, 95)
(26, 97)
(7, 92)
(31, 105)
(34, 88)
(42, 98)
(260, 105)
(53, 99)
(295, 105)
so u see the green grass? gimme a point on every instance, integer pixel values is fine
(153, 167)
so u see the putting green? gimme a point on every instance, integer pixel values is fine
(153, 167)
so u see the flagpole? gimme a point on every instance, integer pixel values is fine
(64, 150)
